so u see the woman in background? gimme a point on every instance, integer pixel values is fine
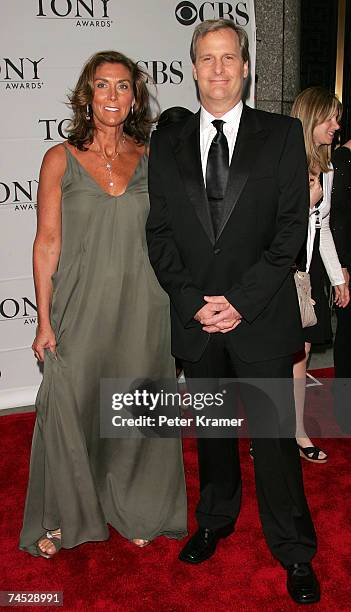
(102, 314)
(320, 112)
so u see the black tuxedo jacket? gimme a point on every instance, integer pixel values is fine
(263, 228)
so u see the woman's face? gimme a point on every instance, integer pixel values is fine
(113, 95)
(323, 133)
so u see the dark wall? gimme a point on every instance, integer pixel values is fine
(346, 94)
(319, 28)
(319, 22)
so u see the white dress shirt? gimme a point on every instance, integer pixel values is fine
(208, 131)
(326, 246)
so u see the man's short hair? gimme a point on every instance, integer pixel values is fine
(213, 25)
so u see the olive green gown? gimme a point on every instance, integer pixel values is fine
(111, 320)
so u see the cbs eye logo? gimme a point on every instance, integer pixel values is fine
(186, 13)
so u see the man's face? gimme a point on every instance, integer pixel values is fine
(219, 70)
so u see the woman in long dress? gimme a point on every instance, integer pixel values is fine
(319, 112)
(101, 314)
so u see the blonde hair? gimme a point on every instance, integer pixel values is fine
(313, 106)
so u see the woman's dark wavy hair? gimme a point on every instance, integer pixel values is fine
(137, 125)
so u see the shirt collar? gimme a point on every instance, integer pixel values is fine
(232, 117)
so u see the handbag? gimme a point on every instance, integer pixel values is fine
(306, 303)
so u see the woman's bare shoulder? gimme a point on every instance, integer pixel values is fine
(54, 160)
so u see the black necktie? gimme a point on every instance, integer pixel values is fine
(217, 173)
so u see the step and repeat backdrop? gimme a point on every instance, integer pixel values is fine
(44, 44)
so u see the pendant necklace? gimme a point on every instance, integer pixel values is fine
(109, 160)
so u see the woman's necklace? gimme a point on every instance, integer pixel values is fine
(109, 160)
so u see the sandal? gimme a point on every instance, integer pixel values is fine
(55, 539)
(311, 453)
(140, 543)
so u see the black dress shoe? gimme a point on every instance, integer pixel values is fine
(302, 583)
(202, 544)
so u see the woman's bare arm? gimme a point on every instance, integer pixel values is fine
(47, 244)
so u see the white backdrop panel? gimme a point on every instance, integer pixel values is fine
(44, 45)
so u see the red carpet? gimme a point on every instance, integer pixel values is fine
(116, 576)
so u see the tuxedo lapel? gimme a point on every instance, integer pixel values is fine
(249, 142)
(187, 153)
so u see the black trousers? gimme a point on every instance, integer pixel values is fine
(342, 341)
(342, 367)
(283, 509)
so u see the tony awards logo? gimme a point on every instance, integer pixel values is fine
(19, 196)
(53, 130)
(21, 73)
(83, 13)
(18, 309)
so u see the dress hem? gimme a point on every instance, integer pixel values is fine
(172, 535)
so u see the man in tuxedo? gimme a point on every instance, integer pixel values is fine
(228, 216)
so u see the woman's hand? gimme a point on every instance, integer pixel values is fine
(316, 191)
(44, 339)
(342, 295)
